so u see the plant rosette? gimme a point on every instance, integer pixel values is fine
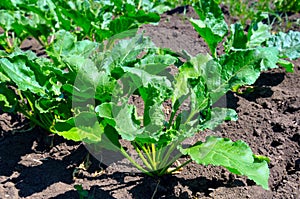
(107, 119)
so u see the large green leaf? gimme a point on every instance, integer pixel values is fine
(269, 58)
(126, 51)
(64, 43)
(121, 24)
(87, 134)
(143, 78)
(258, 33)
(239, 68)
(237, 157)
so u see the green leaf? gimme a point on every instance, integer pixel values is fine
(211, 25)
(125, 124)
(287, 65)
(121, 24)
(218, 116)
(6, 20)
(288, 44)
(242, 67)
(154, 117)
(192, 69)
(269, 58)
(45, 105)
(142, 78)
(142, 17)
(125, 52)
(258, 33)
(84, 133)
(64, 43)
(22, 75)
(83, 127)
(237, 157)
(237, 38)
(155, 64)
(8, 99)
(105, 111)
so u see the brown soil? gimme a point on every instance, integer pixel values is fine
(36, 165)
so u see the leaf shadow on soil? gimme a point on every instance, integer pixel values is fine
(262, 88)
(172, 186)
(142, 186)
(74, 194)
(30, 167)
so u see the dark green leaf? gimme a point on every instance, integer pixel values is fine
(22, 75)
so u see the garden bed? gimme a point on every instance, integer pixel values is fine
(37, 165)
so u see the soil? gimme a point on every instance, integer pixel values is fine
(34, 164)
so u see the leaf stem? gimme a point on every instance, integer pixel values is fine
(7, 41)
(134, 162)
(146, 151)
(146, 163)
(154, 156)
(165, 168)
(180, 166)
(164, 162)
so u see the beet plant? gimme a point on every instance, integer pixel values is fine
(104, 116)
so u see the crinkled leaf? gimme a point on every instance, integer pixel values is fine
(142, 78)
(6, 20)
(66, 46)
(237, 157)
(288, 44)
(258, 33)
(269, 58)
(192, 69)
(125, 52)
(154, 64)
(64, 43)
(154, 117)
(125, 124)
(239, 68)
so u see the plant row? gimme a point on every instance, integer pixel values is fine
(96, 62)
